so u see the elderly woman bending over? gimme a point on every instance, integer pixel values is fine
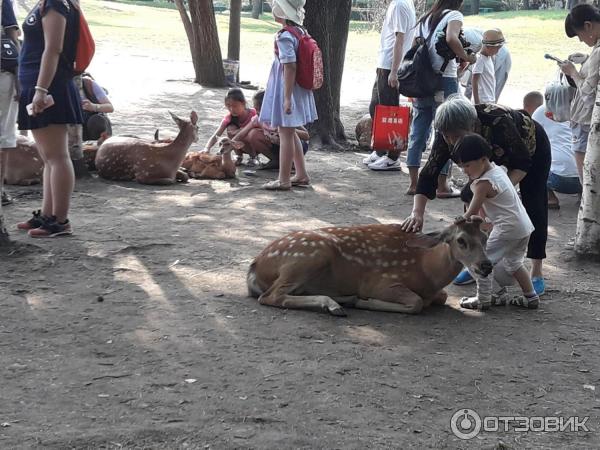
(518, 143)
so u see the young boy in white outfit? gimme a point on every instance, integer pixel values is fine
(506, 247)
(484, 78)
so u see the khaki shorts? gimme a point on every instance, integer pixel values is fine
(9, 109)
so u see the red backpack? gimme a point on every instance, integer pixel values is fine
(86, 47)
(309, 60)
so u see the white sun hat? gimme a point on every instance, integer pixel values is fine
(289, 9)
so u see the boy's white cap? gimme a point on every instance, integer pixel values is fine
(289, 9)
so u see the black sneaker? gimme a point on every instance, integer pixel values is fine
(35, 222)
(51, 228)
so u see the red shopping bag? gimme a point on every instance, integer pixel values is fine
(390, 127)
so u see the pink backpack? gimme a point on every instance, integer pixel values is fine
(309, 61)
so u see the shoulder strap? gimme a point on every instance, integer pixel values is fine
(431, 32)
(294, 32)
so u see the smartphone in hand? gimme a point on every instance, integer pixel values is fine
(47, 104)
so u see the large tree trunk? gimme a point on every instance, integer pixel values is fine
(475, 7)
(233, 43)
(201, 30)
(328, 22)
(587, 239)
(257, 8)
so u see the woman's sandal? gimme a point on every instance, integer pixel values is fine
(276, 185)
(300, 183)
(526, 302)
(453, 193)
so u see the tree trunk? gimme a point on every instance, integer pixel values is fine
(587, 238)
(328, 22)
(233, 43)
(201, 29)
(257, 8)
(475, 7)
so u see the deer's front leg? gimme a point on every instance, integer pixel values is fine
(395, 298)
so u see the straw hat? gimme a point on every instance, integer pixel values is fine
(289, 9)
(493, 38)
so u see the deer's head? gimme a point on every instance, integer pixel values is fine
(226, 146)
(466, 240)
(187, 126)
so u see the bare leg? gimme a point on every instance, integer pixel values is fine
(552, 198)
(536, 268)
(287, 151)
(524, 280)
(257, 143)
(59, 179)
(579, 159)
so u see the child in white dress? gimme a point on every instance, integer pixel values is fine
(494, 193)
(286, 105)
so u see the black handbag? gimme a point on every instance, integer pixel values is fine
(9, 55)
(416, 76)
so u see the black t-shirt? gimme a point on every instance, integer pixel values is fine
(33, 43)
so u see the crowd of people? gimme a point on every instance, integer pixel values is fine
(539, 148)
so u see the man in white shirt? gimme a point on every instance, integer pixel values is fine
(397, 36)
(484, 79)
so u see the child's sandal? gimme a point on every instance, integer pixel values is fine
(474, 303)
(526, 302)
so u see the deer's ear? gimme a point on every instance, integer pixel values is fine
(425, 240)
(177, 120)
(194, 117)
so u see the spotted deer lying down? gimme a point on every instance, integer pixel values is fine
(133, 159)
(375, 267)
(207, 166)
(24, 165)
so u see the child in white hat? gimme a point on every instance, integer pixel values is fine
(286, 105)
(484, 79)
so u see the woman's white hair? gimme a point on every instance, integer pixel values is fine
(456, 113)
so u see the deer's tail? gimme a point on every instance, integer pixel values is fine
(254, 289)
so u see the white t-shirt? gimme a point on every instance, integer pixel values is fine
(399, 18)
(487, 80)
(436, 60)
(505, 210)
(559, 134)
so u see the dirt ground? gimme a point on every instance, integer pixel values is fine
(136, 332)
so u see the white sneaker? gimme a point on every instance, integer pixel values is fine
(385, 163)
(371, 158)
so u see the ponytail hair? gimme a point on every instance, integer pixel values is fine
(576, 19)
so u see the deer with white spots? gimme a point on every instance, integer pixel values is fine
(212, 167)
(375, 267)
(24, 165)
(133, 159)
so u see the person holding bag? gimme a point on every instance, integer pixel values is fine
(46, 69)
(443, 19)
(396, 39)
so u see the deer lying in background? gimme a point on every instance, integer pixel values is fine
(214, 167)
(133, 159)
(375, 267)
(24, 166)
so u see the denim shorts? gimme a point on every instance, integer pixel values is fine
(564, 185)
(580, 137)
